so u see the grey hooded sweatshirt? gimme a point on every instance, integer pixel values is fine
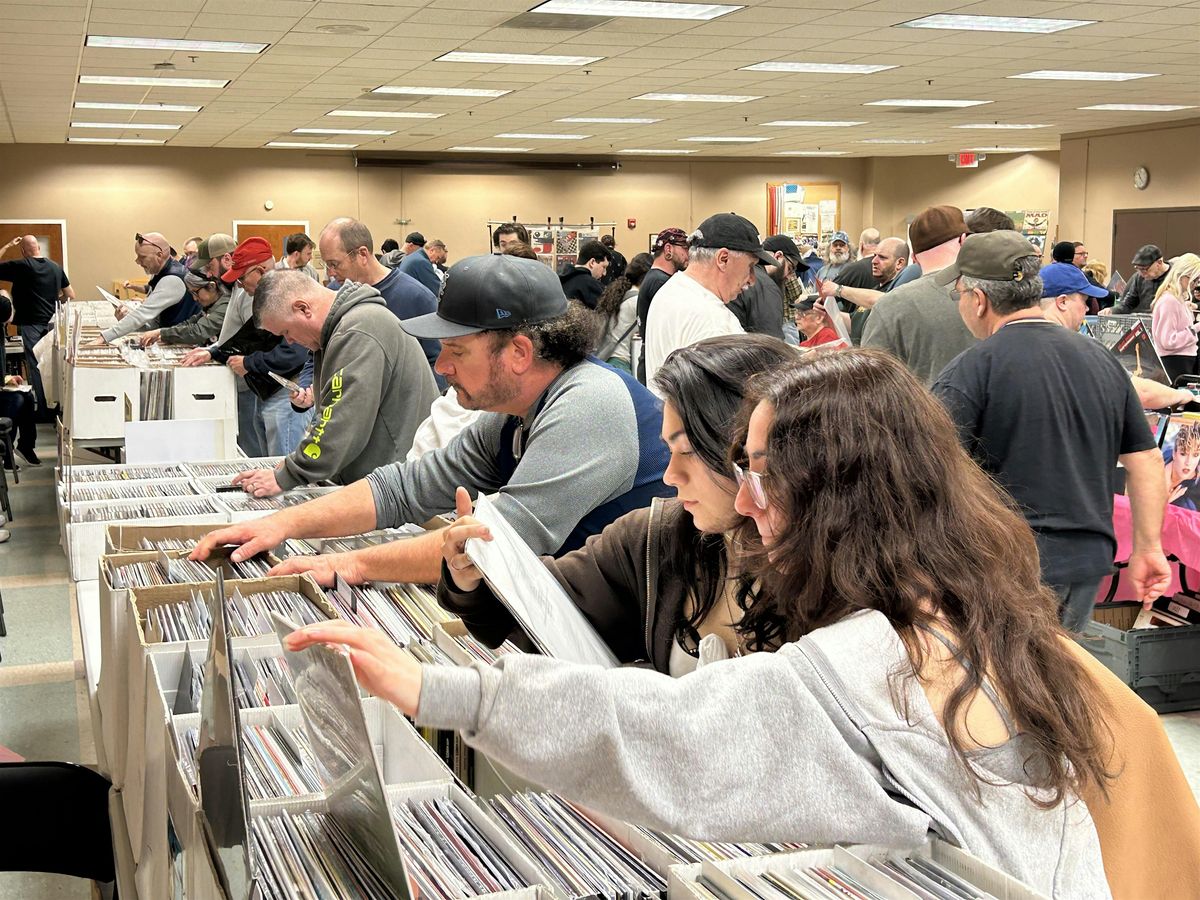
(805, 744)
(373, 389)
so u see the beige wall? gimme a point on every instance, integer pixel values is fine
(106, 194)
(903, 186)
(1097, 177)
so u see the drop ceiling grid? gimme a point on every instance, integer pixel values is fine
(300, 78)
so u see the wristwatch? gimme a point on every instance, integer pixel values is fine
(837, 292)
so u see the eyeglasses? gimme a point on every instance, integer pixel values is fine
(246, 274)
(753, 482)
(141, 239)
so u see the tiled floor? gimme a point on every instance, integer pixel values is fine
(43, 698)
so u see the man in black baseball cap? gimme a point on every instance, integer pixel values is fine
(417, 264)
(789, 277)
(1149, 270)
(724, 254)
(567, 443)
(1047, 413)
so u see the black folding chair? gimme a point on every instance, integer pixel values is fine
(57, 814)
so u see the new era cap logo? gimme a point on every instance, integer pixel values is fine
(502, 314)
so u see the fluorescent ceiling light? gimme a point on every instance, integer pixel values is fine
(1004, 150)
(517, 59)
(1064, 75)
(139, 107)
(725, 140)
(139, 126)
(602, 120)
(930, 104)
(490, 149)
(92, 140)
(810, 153)
(439, 91)
(1000, 126)
(815, 67)
(657, 152)
(698, 98)
(138, 43)
(809, 123)
(365, 132)
(636, 9)
(147, 81)
(301, 145)
(534, 136)
(893, 141)
(1137, 107)
(374, 114)
(995, 23)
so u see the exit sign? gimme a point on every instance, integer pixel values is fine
(966, 161)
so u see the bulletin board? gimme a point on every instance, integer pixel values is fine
(804, 210)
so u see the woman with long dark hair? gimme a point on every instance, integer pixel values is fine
(617, 309)
(662, 585)
(921, 681)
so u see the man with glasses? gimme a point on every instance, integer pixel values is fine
(670, 252)
(349, 254)
(268, 425)
(724, 254)
(167, 300)
(1048, 414)
(1149, 270)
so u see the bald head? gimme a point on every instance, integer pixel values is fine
(891, 256)
(30, 248)
(867, 242)
(151, 251)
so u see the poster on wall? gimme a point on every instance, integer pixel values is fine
(1037, 221)
(802, 210)
(829, 212)
(793, 201)
(542, 240)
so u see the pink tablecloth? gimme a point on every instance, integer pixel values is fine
(1181, 538)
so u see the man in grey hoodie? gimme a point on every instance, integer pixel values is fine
(374, 386)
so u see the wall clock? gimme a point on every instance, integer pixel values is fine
(1141, 178)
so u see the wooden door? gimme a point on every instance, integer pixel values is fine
(275, 232)
(49, 234)
(1172, 230)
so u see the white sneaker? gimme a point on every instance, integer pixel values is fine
(5, 534)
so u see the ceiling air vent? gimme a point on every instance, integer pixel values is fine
(555, 22)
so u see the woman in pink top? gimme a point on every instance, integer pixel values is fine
(1173, 324)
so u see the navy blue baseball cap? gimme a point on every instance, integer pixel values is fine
(491, 293)
(1061, 278)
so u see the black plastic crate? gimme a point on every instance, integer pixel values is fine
(1161, 664)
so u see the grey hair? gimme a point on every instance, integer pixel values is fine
(1011, 296)
(351, 233)
(276, 288)
(708, 255)
(437, 243)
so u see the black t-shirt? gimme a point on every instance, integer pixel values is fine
(653, 280)
(858, 275)
(1047, 412)
(36, 282)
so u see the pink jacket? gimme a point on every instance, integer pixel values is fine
(1172, 327)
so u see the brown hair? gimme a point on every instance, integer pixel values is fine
(886, 511)
(520, 249)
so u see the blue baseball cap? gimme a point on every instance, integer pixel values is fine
(1062, 278)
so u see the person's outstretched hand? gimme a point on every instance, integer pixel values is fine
(325, 568)
(382, 668)
(255, 536)
(454, 543)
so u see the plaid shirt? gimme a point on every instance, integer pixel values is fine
(793, 290)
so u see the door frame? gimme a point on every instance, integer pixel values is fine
(1143, 209)
(62, 223)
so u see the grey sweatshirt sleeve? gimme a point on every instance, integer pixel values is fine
(352, 375)
(582, 451)
(166, 294)
(200, 330)
(739, 750)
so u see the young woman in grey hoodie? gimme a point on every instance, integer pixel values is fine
(921, 684)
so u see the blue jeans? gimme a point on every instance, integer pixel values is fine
(284, 426)
(1076, 601)
(30, 335)
(252, 436)
(791, 334)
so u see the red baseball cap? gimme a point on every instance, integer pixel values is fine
(249, 253)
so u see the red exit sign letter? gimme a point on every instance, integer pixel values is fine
(967, 161)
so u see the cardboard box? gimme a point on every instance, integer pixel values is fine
(121, 537)
(85, 540)
(204, 392)
(137, 652)
(99, 401)
(122, 856)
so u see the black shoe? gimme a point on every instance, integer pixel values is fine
(29, 456)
